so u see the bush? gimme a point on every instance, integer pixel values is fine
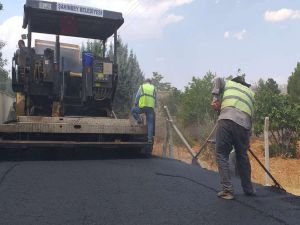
(283, 151)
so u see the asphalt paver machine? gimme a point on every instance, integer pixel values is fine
(64, 97)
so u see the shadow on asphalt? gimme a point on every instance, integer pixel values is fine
(50, 154)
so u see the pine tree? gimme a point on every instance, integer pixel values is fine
(130, 78)
(294, 84)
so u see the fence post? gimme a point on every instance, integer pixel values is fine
(171, 152)
(267, 153)
(166, 141)
(190, 150)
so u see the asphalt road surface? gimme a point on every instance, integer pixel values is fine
(101, 189)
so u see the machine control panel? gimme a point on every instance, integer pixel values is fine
(102, 72)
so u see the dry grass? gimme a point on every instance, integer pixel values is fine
(285, 171)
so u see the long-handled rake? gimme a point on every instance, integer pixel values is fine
(276, 184)
(195, 161)
(195, 158)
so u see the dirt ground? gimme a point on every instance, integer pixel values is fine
(285, 171)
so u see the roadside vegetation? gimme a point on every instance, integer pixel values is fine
(195, 116)
(5, 80)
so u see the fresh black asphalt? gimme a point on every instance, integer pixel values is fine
(130, 190)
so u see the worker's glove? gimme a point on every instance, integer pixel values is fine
(216, 105)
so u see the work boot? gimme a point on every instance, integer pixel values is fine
(140, 121)
(251, 192)
(226, 195)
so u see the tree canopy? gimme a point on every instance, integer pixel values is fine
(3, 72)
(294, 84)
(130, 78)
(168, 95)
(159, 85)
(270, 86)
(196, 98)
(93, 46)
(5, 81)
(3, 62)
(284, 118)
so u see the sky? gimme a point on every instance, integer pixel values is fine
(184, 38)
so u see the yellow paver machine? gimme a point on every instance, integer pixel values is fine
(64, 96)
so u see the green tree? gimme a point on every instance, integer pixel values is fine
(94, 46)
(3, 62)
(5, 81)
(284, 118)
(130, 78)
(284, 126)
(171, 99)
(272, 85)
(196, 99)
(157, 82)
(194, 114)
(3, 72)
(294, 84)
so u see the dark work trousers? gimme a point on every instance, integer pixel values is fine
(229, 134)
(150, 119)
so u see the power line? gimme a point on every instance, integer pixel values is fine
(131, 8)
(131, 13)
(130, 21)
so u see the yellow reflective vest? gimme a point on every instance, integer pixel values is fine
(147, 97)
(238, 96)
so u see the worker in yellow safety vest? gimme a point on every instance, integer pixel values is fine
(145, 102)
(234, 100)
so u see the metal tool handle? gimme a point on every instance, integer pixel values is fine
(206, 141)
(190, 150)
(277, 185)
